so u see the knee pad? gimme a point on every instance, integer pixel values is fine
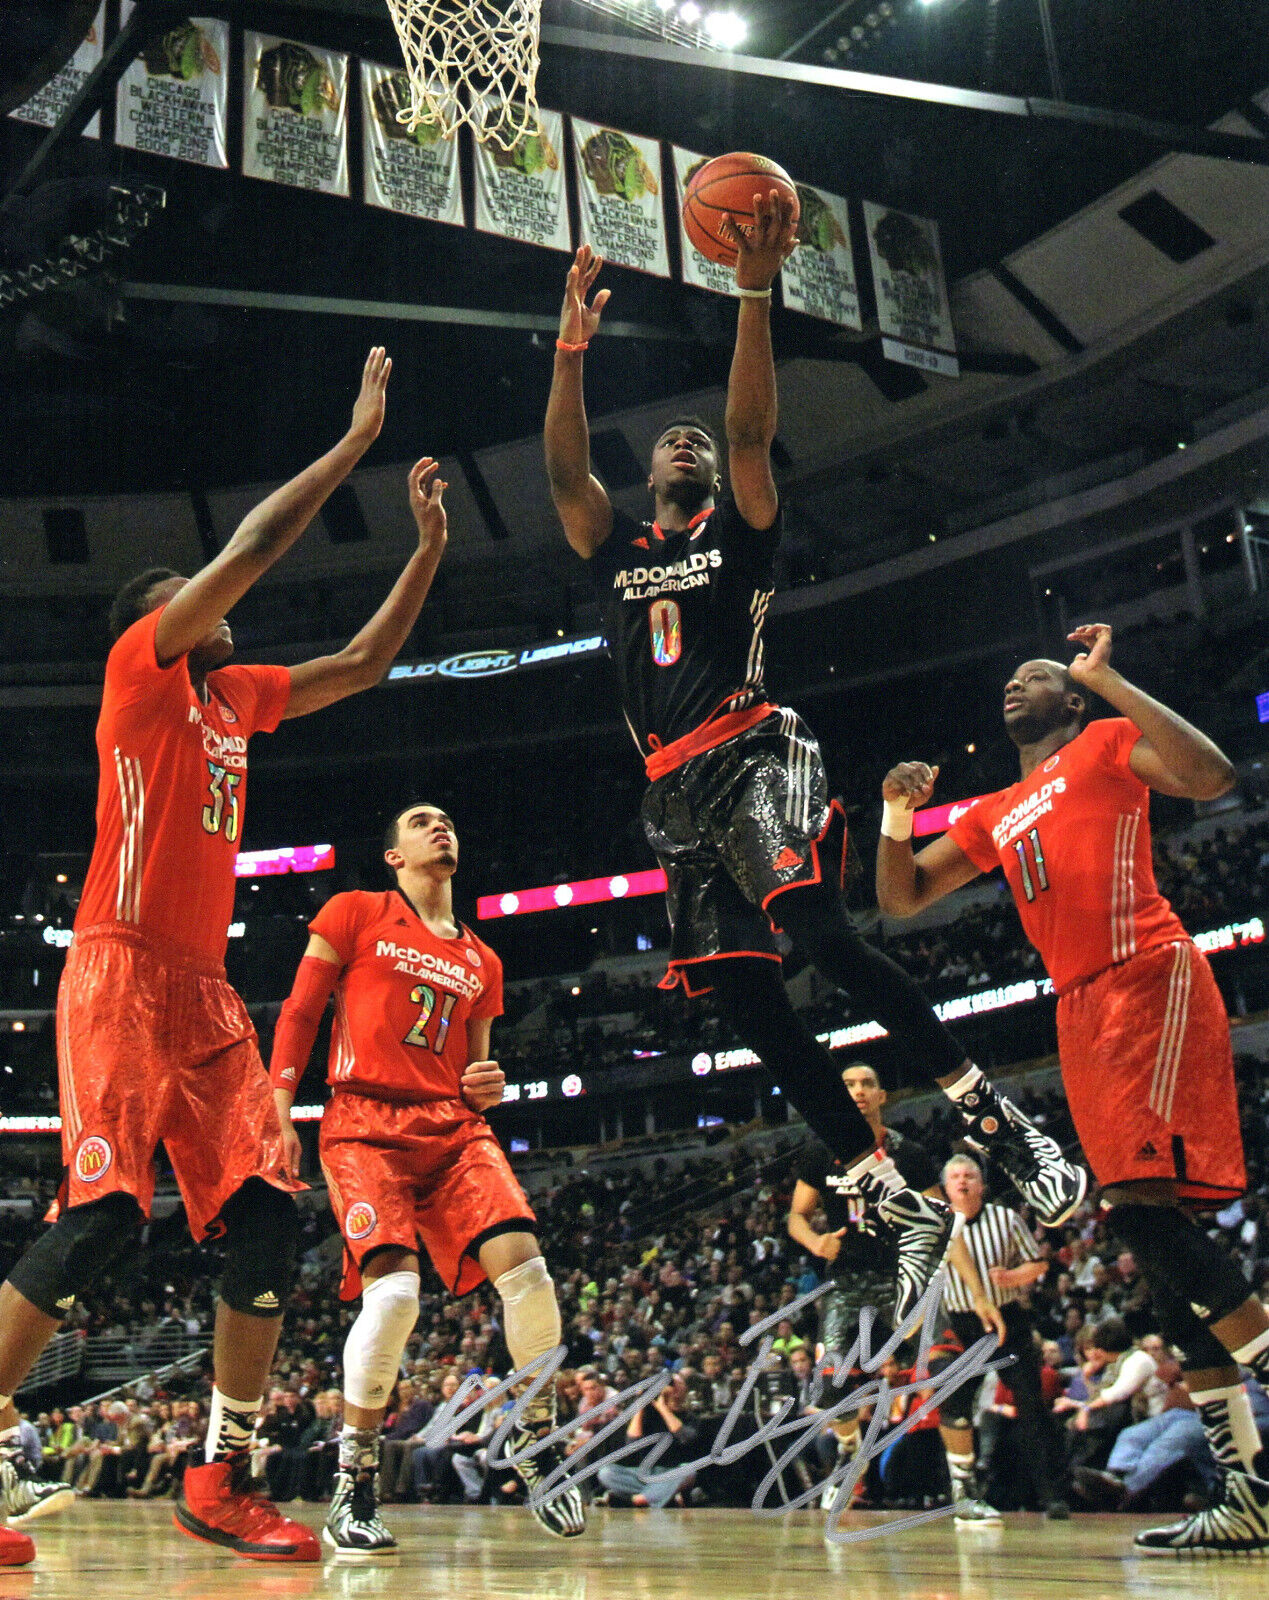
(1200, 1349)
(80, 1245)
(1178, 1261)
(531, 1313)
(262, 1230)
(372, 1350)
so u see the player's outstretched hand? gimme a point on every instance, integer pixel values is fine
(426, 489)
(482, 1084)
(367, 417)
(579, 321)
(1094, 658)
(911, 782)
(764, 247)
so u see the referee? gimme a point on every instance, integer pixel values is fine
(1008, 1263)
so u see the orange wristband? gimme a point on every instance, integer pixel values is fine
(573, 349)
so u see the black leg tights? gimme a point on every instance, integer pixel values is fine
(818, 923)
(753, 999)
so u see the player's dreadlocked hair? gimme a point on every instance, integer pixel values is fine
(129, 605)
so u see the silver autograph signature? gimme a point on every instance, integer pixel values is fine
(833, 1369)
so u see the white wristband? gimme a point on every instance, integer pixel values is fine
(754, 294)
(896, 821)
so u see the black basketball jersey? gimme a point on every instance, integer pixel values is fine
(683, 615)
(868, 1245)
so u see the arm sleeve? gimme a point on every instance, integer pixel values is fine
(1133, 1375)
(133, 672)
(1117, 736)
(970, 832)
(337, 922)
(918, 1171)
(294, 1036)
(260, 695)
(489, 1001)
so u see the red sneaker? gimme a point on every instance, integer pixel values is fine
(220, 1503)
(16, 1548)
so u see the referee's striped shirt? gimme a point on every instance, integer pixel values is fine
(997, 1237)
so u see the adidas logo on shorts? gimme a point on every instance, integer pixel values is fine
(1147, 1152)
(267, 1301)
(787, 858)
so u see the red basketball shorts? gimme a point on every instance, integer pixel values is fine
(154, 1045)
(1149, 1074)
(398, 1173)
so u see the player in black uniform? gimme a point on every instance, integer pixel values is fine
(738, 810)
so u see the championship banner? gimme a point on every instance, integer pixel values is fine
(819, 277)
(413, 173)
(520, 192)
(47, 106)
(912, 308)
(174, 98)
(698, 270)
(619, 197)
(295, 114)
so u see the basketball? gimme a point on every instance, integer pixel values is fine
(727, 184)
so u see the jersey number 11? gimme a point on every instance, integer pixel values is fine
(1041, 879)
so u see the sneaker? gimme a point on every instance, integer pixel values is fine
(564, 1515)
(1237, 1525)
(26, 1497)
(221, 1504)
(923, 1228)
(1053, 1186)
(354, 1529)
(16, 1549)
(1103, 1490)
(975, 1511)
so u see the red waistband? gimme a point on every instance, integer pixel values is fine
(707, 737)
(163, 950)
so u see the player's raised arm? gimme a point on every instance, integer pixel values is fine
(579, 497)
(1172, 755)
(751, 389)
(907, 883)
(364, 659)
(296, 1032)
(268, 532)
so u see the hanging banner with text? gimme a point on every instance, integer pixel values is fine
(819, 277)
(912, 308)
(174, 98)
(413, 173)
(295, 114)
(520, 192)
(698, 270)
(619, 197)
(45, 107)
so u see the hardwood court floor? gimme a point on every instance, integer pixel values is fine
(122, 1551)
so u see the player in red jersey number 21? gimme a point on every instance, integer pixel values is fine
(408, 1154)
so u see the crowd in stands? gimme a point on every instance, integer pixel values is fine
(663, 1264)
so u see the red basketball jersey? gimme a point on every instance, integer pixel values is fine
(172, 792)
(1074, 840)
(404, 997)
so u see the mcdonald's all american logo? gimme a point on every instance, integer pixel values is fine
(362, 1219)
(92, 1159)
(666, 623)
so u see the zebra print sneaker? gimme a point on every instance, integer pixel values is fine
(563, 1515)
(1239, 1525)
(24, 1497)
(1051, 1185)
(354, 1529)
(923, 1229)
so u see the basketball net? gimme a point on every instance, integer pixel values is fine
(472, 61)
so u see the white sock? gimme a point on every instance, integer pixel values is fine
(969, 1080)
(961, 1471)
(1229, 1426)
(230, 1424)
